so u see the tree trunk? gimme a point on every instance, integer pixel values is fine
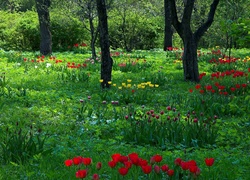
(168, 33)
(93, 38)
(44, 22)
(190, 39)
(106, 60)
(189, 60)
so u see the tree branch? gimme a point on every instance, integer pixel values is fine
(175, 21)
(188, 9)
(203, 28)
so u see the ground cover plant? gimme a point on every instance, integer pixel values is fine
(57, 122)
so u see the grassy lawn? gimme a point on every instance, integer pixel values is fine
(53, 109)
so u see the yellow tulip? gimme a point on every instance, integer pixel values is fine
(101, 80)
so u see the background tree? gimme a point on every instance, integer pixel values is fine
(88, 12)
(106, 60)
(136, 24)
(168, 32)
(190, 39)
(44, 24)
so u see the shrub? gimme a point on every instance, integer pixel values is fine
(139, 32)
(22, 33)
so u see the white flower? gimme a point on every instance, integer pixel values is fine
(36, 66)
(48, 65)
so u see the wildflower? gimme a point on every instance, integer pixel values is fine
(101, 80)
(123, 171)
(209, 161)
(109, 82)
(190, 90)
(104, 102)
(129, 80)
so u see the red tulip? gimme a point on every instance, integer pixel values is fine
(112, 164)
(123, 159)
(157, 158)
(81, 174)
(95, 177)
(116, 157)
(123, 171)
(77, 160)
(98, 165)
(193, 169)
(209, 161)
(86, 161)
(134, 158)
(164, 168)
(68, 162)
(177, 161)
(170, 172)
(146, 169)
(128, 164)
(184, 165)
(142, 162)
(157, 169)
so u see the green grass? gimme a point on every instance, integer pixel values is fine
(49, 99)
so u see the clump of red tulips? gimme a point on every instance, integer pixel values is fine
(133, 166)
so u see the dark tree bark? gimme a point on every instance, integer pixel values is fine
(42, 7)
(190, 39)
(106, 60)
(168, 32)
